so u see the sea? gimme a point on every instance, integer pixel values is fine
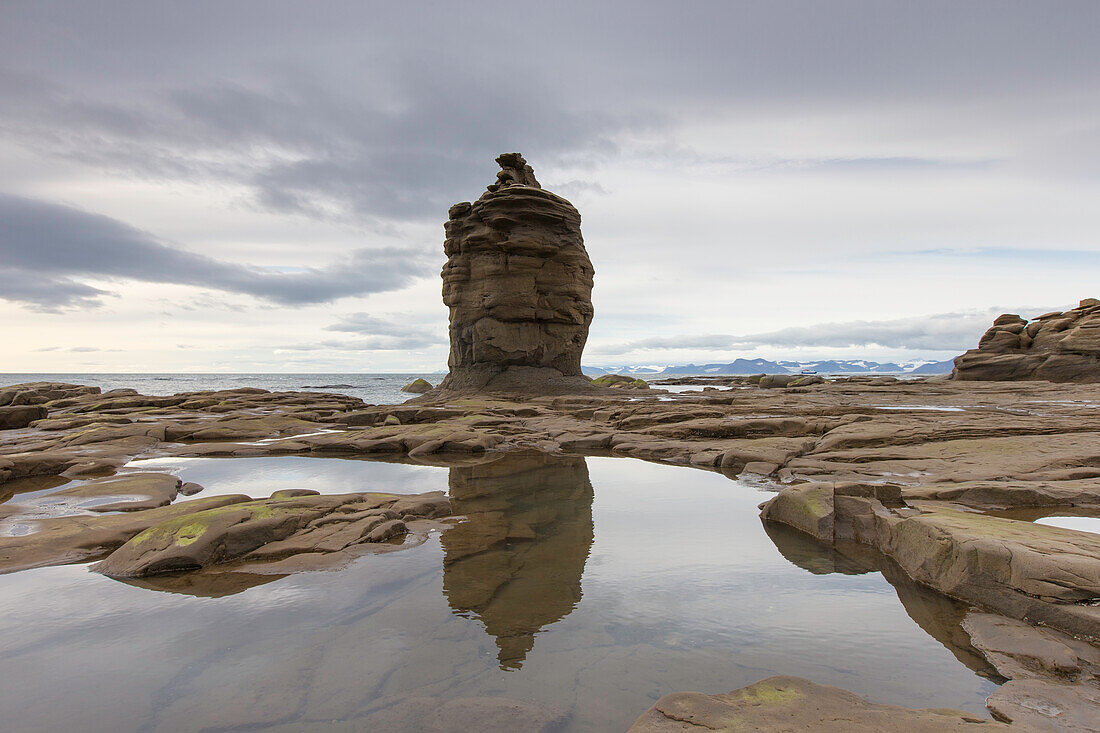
(374, 389)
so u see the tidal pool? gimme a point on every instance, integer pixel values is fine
(577, 591)
(1081, 524)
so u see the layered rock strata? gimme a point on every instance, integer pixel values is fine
(518, 283)
(1058, 347)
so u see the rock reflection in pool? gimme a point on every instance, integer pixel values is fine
(517, 560)
(596, 603)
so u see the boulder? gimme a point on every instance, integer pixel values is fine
(20, 416)
(518, 283)
(417, 386)
(1057, 347)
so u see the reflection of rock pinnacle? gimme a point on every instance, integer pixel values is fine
(517, 560)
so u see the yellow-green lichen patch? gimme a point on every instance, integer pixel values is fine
(765, 693)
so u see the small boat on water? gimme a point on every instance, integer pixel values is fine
(807, 371)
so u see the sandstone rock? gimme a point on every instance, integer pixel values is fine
(518, 283)
(1018, 649)
(286, 524)
(1058, 347)
(1044, 705)
(417, 386)
(795, 704)
(82, 538)
(20, 416)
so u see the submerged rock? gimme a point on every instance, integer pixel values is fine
(518, 282)
(791, 704)
(1058, 347)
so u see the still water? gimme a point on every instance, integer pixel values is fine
(576, 593)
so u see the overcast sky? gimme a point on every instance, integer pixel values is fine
(262, 186)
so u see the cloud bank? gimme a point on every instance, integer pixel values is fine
(956, 331)
(46, 248)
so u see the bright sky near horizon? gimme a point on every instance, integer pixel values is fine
(262, 186)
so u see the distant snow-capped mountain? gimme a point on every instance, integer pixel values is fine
(739, 367)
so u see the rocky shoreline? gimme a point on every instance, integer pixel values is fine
(933, 482)
(925, 473)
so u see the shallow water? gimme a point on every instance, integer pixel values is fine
(1081, 524)
(930, 408)
(260, 477)
(589, 587)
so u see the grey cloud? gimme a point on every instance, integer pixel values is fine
(940, 332)
(366, 324)
(377, 110)
(44, 246)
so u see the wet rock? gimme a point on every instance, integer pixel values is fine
(268, 529)
(1059, 347)
(795, 704)
(1016, 568)
(1018, 649)
(135, 491)
(518, 283)
(1044, 705)
(190, 488)
(62, 540)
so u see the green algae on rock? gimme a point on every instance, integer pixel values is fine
(792, 703)
(620, 381)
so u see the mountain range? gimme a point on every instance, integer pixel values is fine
(764, 366)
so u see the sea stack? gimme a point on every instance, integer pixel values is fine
(518, 283)
(1057, 347)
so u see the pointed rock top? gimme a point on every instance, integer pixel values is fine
(514, 171)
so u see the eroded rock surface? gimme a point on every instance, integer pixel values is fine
(288, 523)
(518, 282)
(1058, 347)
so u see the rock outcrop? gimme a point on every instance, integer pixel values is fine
(518, 283)
(291, 522)
(1058, 347)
